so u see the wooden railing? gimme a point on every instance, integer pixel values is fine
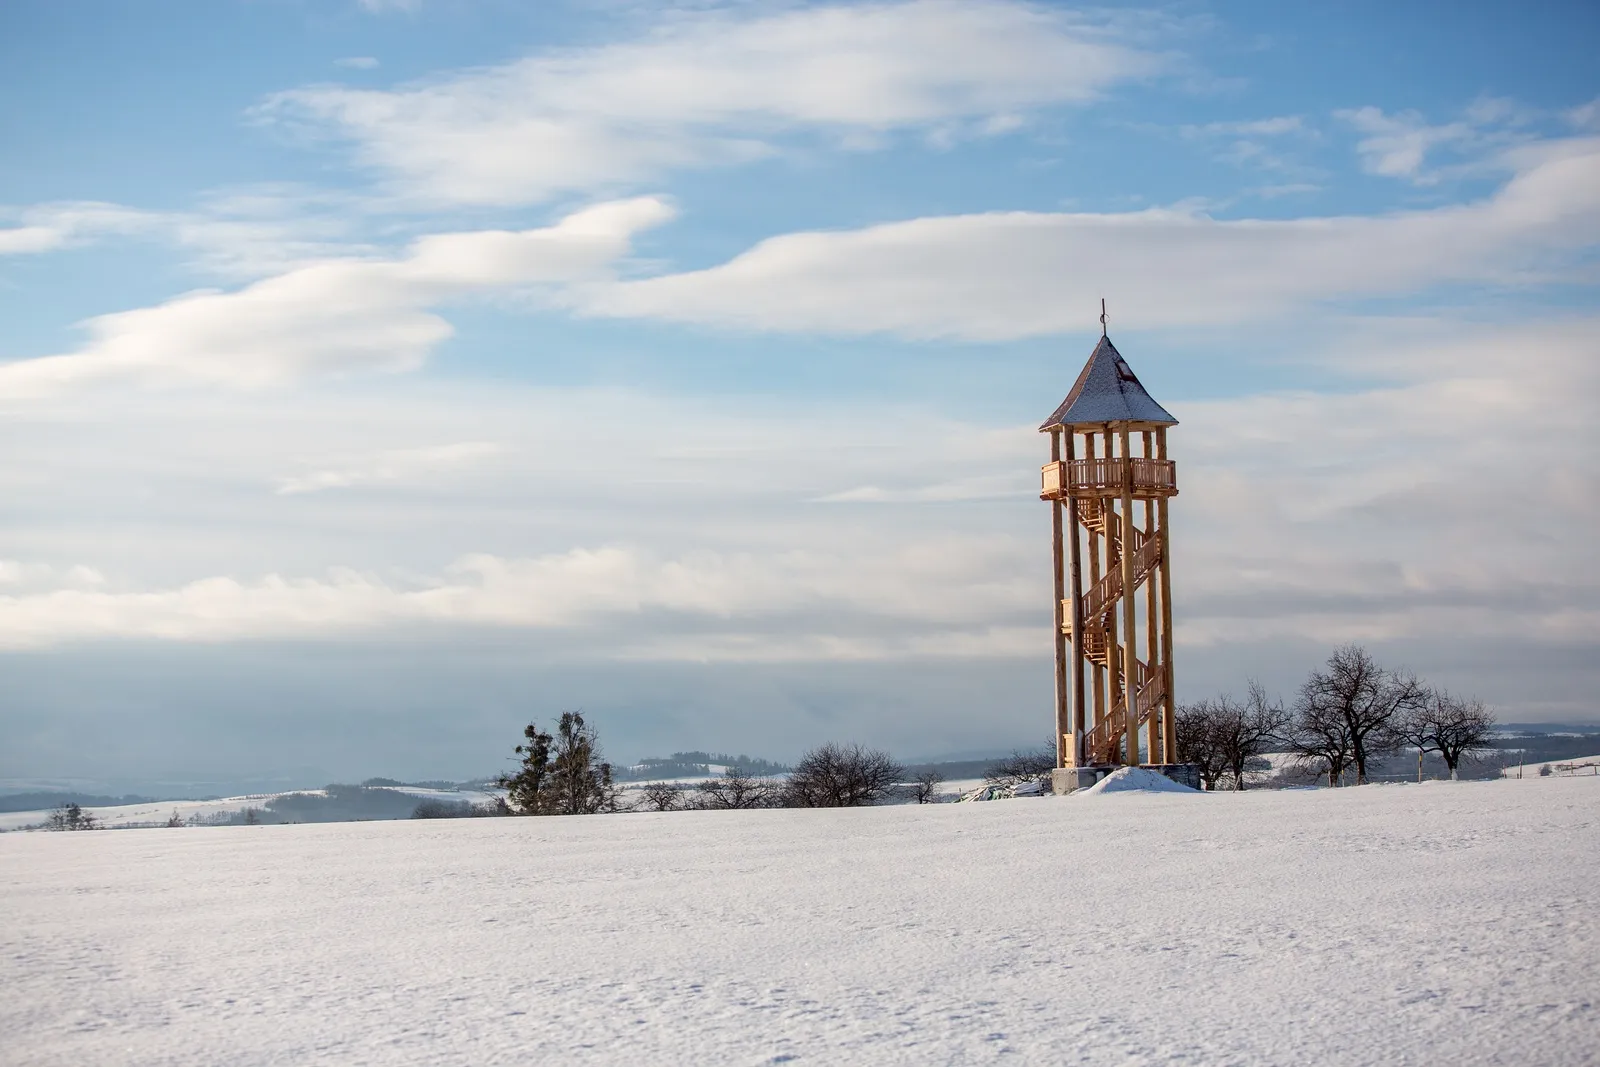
(1108, 477)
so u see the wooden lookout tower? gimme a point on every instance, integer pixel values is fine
(1108, 481)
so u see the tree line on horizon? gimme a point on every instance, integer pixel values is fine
(562, 772)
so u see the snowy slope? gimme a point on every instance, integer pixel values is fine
(1450, 923)
(1583, 765)
(159, 811)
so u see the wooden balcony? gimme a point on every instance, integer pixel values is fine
(1147, 478)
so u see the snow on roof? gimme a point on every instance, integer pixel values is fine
(1107, 390)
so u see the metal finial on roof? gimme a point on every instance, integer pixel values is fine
(1103, 317)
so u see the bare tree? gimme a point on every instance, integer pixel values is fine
(175, 819)
(841, 776)
(925, 786)
(1457, 729)
(1023, 765)
(1199, 740)
(1246, 731)
(1320, 740)
(735, 790)
(659, 796)
(1366, 698)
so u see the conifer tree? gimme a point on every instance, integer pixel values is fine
(562, 773)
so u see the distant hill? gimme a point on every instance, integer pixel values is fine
(41, 801)
(696, 764)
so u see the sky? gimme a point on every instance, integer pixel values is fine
(378, 376)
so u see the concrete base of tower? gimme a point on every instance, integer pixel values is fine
(1064, 780)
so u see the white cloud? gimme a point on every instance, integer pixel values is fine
(336, 316)
(1007, 275)
(717, 87)
(48, 227)
(389, 467)
(1403, 144)
(357, 63)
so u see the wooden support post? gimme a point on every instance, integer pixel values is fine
(1100, 705)
(1169, 705)
(1154, 744)
(1130, 649)
(1075, 584)
(1063, 724)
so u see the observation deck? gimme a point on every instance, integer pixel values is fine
(1149, 479)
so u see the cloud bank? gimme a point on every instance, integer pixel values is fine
(333, 317)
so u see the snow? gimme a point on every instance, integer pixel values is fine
(159, 811)
(1449, 924)
(1585, 765)
(1137, 780)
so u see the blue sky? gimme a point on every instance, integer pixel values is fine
(441, 364)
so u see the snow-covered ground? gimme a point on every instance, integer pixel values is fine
(1444, 923)
(1584, 765)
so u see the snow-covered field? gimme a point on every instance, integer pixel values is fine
(1449, 923)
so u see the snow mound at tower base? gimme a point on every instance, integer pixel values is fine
(1137, 780)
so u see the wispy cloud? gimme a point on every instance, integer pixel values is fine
(718, 87)
(389, 467)
(48, 227)
(1008, 275)
(1268, 127)
(1403, 144)
(357, 63)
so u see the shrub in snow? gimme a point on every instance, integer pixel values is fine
(737, 790)
(459, 809)
(658, 796)
(841, 776)
(924, 788)
(71, 817)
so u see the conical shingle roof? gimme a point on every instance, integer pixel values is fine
(1107, 391)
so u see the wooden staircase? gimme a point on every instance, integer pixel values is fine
(1098, 607)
